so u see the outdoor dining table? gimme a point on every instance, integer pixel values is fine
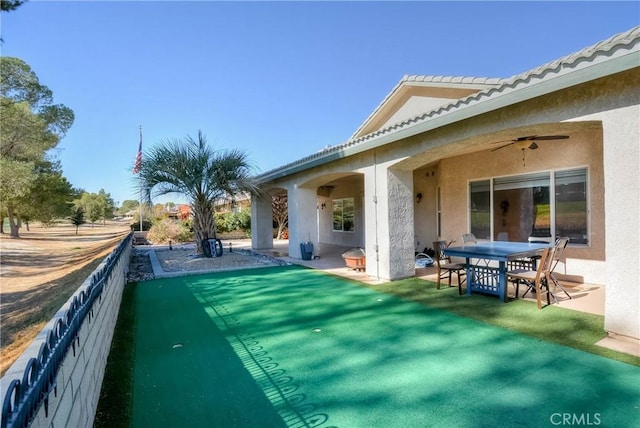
(487, 278)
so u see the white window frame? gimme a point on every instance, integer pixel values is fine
(438, 212)
(552, 199)
(333, 210)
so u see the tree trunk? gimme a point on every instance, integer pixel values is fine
(280, 229)
(14, 223)
(2, 224)
(203, 223)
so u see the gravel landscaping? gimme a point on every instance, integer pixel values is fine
(184, 259)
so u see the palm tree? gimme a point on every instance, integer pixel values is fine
(192, 168)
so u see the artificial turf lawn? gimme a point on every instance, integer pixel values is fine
(553, 323)
(252, 355)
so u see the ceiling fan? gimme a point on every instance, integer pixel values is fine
(528, 142)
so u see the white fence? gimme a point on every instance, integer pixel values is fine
(57, 380)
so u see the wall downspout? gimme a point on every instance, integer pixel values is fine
(375, 206)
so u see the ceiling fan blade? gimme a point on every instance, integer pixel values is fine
(549, 137)
(527, 138)
(532, 138)
(502, 147)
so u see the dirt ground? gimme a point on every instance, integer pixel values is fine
(38, 273)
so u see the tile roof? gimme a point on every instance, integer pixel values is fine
(628, 41)
(457, 80)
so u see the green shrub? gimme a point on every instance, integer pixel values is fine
(146, 225)
(167, 230)
(231, 221)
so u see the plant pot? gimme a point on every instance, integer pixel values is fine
(355, 259)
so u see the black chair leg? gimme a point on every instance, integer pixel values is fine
(549, 293)
(529, 288)
(557, 284)
(549, 297)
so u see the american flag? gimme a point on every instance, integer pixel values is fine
(138, 163)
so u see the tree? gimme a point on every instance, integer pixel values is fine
(16, 179)
(128, 205)
(50, 196)
(160, 212)
(31, 125)
(10, 5)
(77, 217)
(96, 206)
(192, 168)
(280, 208)
(107, 205)
(3, 214)
(91, 205)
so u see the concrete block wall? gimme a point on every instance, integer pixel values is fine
(74, 400)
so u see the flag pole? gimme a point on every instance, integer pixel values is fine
(140, 154)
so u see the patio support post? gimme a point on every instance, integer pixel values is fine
(621, 175)
(261, 222)
(400, 224)
(389, 225)
(303, 224)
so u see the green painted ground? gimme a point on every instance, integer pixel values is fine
(288, 346)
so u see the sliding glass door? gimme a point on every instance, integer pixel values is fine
(543, 204)
(521, 207)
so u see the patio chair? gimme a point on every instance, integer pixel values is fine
(530, 262)
(536, 280)
(470, 238)
(446, 268)
(539, 239)
(561, 244)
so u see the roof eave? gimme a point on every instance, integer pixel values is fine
(480, 103)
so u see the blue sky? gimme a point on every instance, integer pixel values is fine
(278, 80)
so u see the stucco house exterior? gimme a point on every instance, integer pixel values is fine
(442, 156)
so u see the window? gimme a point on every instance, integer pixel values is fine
(480, 209)
(522, 206)
(343, 215)
(571, 205)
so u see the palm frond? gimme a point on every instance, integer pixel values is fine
(194, 169)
